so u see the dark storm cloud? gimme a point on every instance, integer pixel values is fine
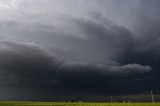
(106, 36)
(146, 30)
(109, 46)
(25, 64)
(90, 56)
(84, 35)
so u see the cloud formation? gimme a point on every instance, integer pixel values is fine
(25, 64)
(107, 44)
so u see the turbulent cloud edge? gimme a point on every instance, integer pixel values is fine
(28, 64)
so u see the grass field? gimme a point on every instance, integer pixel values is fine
(13, 103)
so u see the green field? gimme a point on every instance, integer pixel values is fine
(13, 103)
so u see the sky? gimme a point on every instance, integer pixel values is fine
(52, 49)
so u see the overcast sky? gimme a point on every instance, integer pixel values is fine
(79, 47)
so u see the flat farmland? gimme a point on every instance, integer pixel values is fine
(19, 103)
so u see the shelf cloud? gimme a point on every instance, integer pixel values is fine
(81, 47)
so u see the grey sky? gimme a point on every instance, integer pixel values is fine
(75, 39)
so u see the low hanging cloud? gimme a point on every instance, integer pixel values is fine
(82, 47)
(86, 56)
(26, 64)
(131, 69)
(23, 63)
